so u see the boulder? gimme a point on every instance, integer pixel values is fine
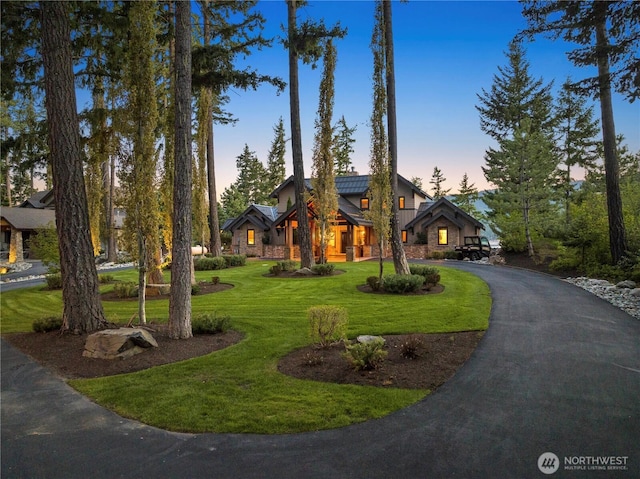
(118, 343)
(367, 338)
(635, 292)
(304, 272)
(627, 284)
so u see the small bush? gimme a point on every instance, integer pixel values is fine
(366, 356)
(374, 283)
(436, 255)
(209, 264)
(54, 280)
(275, 270)
(210, 323)
(430, 274)
(126, 289)
(44, 325)
(402, 283)
(327, 324)
(195, 289)
(105, 278)
(450, 254)
(215, 279)
(313, 358)
(410, 348)
(323, 269)
(288, 265)
(235, 260)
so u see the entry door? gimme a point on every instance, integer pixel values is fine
(343, 242)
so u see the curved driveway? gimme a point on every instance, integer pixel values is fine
(558, 370)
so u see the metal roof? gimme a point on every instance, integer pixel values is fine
(28, 218)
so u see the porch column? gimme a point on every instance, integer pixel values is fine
(16, 252)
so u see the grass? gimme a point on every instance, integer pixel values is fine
(239, 389)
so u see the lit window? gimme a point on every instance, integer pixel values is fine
(251, 237)
(443, 236)
(364, 203)
(404, 236)
(401, 204)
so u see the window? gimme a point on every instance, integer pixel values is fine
(364, 203)
(251, 237)
(443, 235)
(401, 203)
(404, 236)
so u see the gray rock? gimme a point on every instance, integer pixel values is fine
(628, 284)
(366, 338)
(304, 272)
(118, 343)
(635, 292)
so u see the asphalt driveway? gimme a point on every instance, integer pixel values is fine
(557, 371)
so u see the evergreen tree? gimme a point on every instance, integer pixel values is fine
(577, 130)
(303, 42)
(417, 182)
(82, 310)
(608, 35)
(252, 181)
(517, 113)
(400, 262)
(379, 193)
(342, 146)
(324, 192)
(276, 158)
(437, 179)
(181, 260)
(466, 197)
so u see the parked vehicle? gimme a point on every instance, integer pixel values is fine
(474, 248)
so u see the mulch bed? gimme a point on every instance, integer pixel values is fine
(205, 288)
(439, 357)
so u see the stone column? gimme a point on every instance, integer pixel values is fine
(16, 252)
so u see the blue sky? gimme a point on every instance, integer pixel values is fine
(446, 53)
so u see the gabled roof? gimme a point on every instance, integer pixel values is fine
(455, 214)
(352, 213)
(259, 215)
(28, 218)
(350, 185)
(38, 200)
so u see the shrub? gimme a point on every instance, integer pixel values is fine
(411, 346)
(44, 245)
(105, 278)
(126, 289)
(209, 264)
(402, 283)
(235, 260)
(54, 280)
(275, 270)
(313, 358)
(323, 269)
(327, 324)
(210, 323)
(366, 356)
(430, 274)
(421, 238)
(44, 325)
(195, 289)
(374, 283)
(437, 255)
(288, 265)
(450, 254)
(215, 279)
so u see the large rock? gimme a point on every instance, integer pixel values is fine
(118, 343)
(627, 284)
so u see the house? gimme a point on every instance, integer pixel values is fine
(18, 224)
(271, 231)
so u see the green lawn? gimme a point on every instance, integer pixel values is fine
(239, 389)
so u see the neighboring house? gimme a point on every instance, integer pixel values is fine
(17, 224)
(271, 232)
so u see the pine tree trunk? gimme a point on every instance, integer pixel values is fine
(617, 234)
(399, 258)
(304, 233)
(180, 299)
(82, 310)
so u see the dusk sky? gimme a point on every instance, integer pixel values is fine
(446, 52)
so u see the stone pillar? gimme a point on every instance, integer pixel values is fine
(16, 252)
(351, 253)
